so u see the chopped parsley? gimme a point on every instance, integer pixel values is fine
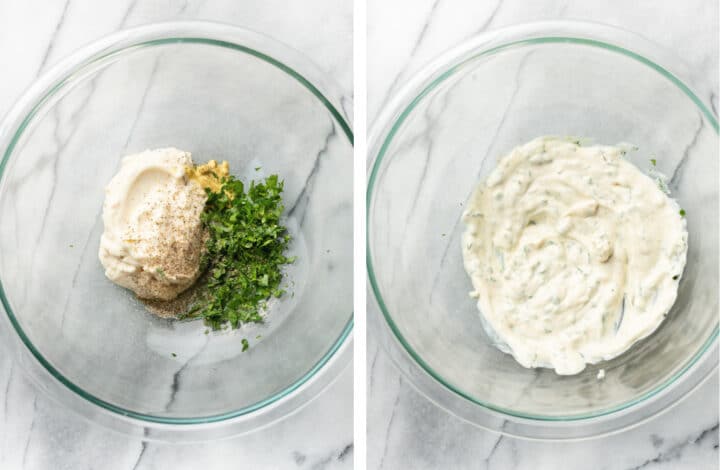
(675, 277)
(245, 253)
(245, 345)
(682, 212)
(653, 161)
(173, 354)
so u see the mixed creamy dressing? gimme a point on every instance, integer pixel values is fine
(153, 237)
(574, 254)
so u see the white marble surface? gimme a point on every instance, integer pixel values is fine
(35, 433)
(405, 430)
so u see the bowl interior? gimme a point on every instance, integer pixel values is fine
(219, 102)
(450, 138)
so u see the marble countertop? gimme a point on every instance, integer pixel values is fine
(35, 433)
(405, 430)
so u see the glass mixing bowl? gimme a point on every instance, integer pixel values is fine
(222, 93)
(442, 134)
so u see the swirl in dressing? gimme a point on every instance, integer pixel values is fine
(574, 254)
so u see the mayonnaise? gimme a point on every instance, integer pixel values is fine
(153, 238)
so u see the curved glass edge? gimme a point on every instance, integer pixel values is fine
(371, 183)
(543, 431)
(337, 116)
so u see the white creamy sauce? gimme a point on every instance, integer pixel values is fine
(153, 236)
(574, 254)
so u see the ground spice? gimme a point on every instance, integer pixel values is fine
(173, 221)
(177, 306)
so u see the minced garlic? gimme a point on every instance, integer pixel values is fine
(209, 175)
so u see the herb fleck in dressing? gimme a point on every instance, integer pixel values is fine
(574, 254)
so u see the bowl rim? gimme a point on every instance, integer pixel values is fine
(238, 39)
(398, 108)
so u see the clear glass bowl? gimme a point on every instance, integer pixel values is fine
(222, 93)
(443, 133)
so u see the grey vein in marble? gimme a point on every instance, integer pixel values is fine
(175, 385)
(674, 452)
(32, 427)
(453, 236)
(143, 99)
(143, 447)
(416, 45)
(390, 424)
(677, 172)
(76, 273)
(51, 43)
(302, 198)
(483, 27)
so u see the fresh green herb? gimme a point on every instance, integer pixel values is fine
(173, 354)
(653, 161)
(682, 212)
(258, 337)
(245, 345)
(161, 272)
(72, 246)
(257, 168)
(245, 252)
(675, 277)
